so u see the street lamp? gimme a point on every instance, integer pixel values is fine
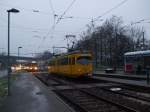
(19, 64)
(19, 51)
(8, 56)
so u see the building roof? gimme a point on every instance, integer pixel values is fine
(146, 52)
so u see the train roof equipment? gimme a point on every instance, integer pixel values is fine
(72, 52)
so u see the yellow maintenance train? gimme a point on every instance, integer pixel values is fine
(74, 64)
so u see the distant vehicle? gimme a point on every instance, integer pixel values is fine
(16, 67)
(74, 64)
(137, 61)
(31, 67)
(27, 66)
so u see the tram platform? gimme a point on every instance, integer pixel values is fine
(127, 79)
(121, 75)
(28, 94)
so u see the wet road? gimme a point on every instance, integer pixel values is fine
(28, 95)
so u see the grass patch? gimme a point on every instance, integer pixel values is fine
(3, 87)
(4, 84)
(14, 76)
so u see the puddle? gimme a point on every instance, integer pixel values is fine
(116, 89)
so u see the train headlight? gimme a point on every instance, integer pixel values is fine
(18, 68)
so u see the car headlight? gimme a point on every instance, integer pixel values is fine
(13, 68)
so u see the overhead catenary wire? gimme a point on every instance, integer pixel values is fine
(53, 11)
(52, 8)
(141, 21)
(58, 20)
(44, 12)
(26, 9)
(53, 26)
(107, 12)
(110, 10)
(36, 31)
(29, 10)
(20, 27)
(61, 16)
(38, 11)
(54, 16)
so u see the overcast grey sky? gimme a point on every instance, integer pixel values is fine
(29, 27)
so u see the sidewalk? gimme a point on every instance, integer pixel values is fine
(120, 74)
(28, 94)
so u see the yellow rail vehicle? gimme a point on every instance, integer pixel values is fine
(75, 64)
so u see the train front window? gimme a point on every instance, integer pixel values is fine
(84, 60)
(133, 59)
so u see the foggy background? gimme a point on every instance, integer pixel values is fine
(33, 29)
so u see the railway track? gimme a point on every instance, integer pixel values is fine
(99, 99)
(129, 93)
(88, 102)
(122, 99)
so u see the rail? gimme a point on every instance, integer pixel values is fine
(92, 94)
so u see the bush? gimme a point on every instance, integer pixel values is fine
(3, 87)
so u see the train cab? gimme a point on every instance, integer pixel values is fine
(74, 64)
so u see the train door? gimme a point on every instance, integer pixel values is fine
(71, 65)
(58, 66)
(147, 62)
(129, 64)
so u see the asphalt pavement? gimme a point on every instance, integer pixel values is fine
(28, 94)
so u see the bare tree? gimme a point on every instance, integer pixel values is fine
(110, 41)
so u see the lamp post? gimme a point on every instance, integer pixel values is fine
(8, 55)
(19, 51)
(19, 55)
